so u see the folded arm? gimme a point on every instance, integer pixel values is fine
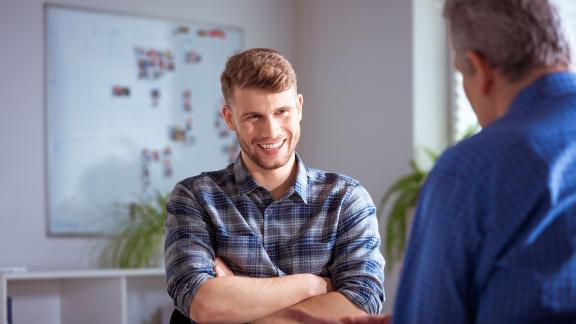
(329, 306)
(308, 318)
(356, 268)
(194, 285)
(240, 299)
(357, 265)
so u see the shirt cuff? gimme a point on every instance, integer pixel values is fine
(185, 295)
(364, 298)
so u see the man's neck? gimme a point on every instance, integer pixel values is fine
(277, 181)
(511, 89)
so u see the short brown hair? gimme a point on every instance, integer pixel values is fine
(257, 68)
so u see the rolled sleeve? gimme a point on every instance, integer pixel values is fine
(357, 270)
(189, 249)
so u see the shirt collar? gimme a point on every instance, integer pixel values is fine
(244, 180)
(550, 85)
(246, 183)
(301, 184)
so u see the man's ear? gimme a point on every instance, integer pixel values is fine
(484, 73)
(300, 102)
(228, 117)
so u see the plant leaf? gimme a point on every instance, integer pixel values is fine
(433, 156)
(138, 242)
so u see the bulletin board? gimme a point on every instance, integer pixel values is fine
(132, 107)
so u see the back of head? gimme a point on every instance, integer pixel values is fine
(514, 36)
(257, 68)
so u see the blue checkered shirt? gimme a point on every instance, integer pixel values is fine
(494, 236)
(324, 225)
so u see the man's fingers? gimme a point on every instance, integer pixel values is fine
(219, 271)
(221, 268)
(328, 281)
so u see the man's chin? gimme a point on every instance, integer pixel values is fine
(272, 165)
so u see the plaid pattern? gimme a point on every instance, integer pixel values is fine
(494, 237)
(324, 225)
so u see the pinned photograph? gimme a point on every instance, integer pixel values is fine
(155, 95)
(120, 91)
(212, 33)
(193, 57)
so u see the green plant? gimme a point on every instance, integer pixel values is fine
(138, 243)
(402, 196)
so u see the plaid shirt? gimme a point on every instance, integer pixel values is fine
(324, 225)
(494, 236)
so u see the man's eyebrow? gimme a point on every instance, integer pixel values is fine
(254, 113)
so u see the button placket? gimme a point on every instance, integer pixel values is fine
(271, 231)
(266, 233)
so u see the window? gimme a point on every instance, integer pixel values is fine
(462, 116)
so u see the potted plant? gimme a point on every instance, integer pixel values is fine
(139, 241)
(402, 196)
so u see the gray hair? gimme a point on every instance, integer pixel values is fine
(514, 36)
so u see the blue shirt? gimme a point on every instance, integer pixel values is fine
(494, 236)
(324, 225)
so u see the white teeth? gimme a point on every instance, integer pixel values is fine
(271, 146)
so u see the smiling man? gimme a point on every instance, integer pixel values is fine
(268, 235)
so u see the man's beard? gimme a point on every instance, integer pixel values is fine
(254, 157)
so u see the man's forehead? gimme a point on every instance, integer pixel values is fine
(237, 88)
(240, 95)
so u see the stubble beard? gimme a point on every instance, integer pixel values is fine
(254, 157)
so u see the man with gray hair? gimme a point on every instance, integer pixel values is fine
(494, 235)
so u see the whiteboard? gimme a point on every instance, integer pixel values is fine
(132, 107)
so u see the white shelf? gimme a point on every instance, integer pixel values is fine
(87, 297)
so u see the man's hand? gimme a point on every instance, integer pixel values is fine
(221, 268)
(306, 317)
(328, 283)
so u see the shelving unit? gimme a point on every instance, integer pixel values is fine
(88, 297)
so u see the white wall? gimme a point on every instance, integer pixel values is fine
(356, 78)
(23, 239)
(353, 59)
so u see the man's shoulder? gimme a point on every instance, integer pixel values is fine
(475, 152)
(495, 150)
(340, 187)
(208, 181)
(322, 178)
(469, 152)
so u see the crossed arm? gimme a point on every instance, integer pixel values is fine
(228, 298)
(205, 296)
(330, 306)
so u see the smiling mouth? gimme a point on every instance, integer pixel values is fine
(272, 146)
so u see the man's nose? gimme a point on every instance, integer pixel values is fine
(270, 127)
